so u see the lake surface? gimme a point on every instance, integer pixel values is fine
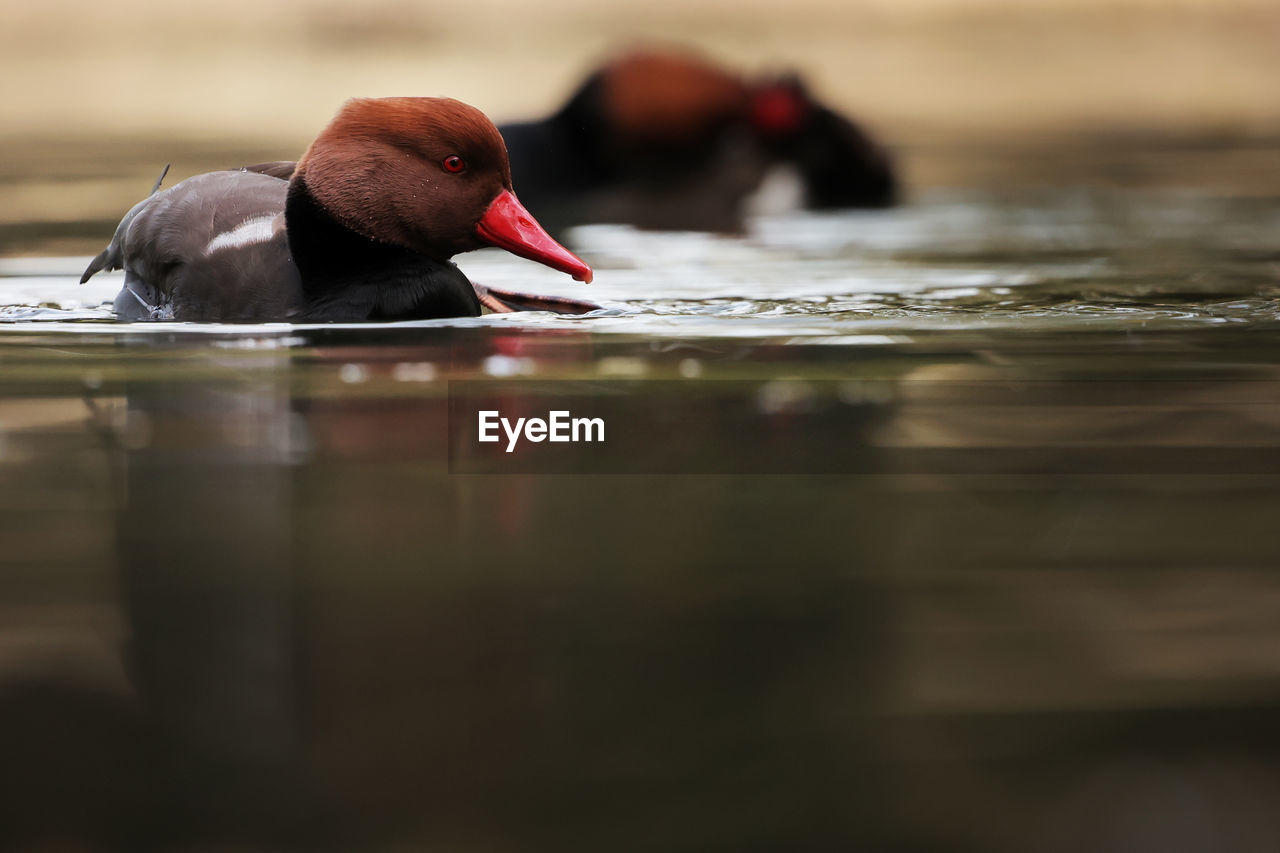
(950, 528)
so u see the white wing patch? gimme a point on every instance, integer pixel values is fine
(256, 230)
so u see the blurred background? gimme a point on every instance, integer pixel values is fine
(99, 96)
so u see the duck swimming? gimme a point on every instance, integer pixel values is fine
(362, 228)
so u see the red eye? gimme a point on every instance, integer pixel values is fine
(454, 163)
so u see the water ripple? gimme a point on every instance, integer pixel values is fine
(1063, 261)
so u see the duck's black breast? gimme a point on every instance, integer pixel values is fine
(347, 277)
(213, 248)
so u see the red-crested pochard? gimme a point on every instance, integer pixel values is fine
(361, 229)
(666, 139)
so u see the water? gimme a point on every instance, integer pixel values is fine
(947, 528)
(952, 260)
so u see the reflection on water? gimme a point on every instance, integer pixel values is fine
(247, 603)
(1016, 590)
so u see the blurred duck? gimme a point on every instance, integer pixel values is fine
(663, 139)
(361, 228)
(666, 140)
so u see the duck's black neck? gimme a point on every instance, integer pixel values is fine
(347, 277)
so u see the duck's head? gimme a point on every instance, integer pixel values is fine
(426, 174)
(659, 103)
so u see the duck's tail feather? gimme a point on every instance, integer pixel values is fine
(160, 180)
(98, 264)
(112, 257)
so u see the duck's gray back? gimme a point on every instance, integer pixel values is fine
(211, 248)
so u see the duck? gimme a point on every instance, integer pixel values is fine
(362, 228)
(665, 138)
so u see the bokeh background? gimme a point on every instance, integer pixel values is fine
(967, 92)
